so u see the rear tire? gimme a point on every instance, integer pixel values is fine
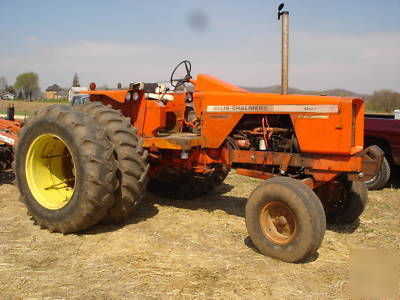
(131, 158)
(285, 219)
(65, 170)
(380, 180)
(187, 186)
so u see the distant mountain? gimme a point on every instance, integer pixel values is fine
(276, 89)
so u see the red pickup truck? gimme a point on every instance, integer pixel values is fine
(383, 131)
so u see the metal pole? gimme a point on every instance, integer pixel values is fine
(285, 53)
(10, 113)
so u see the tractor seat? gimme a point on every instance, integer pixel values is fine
(152, 91)
(148, 87)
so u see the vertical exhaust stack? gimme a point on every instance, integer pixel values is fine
(11, 113)
(285, 49)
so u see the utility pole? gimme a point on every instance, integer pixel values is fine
(285, 49)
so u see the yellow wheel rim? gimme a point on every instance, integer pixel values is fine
(50, 171)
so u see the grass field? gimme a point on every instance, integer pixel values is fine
(181, 249)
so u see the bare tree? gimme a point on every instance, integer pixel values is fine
(3, 83)
(75, 80)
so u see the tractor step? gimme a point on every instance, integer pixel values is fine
(178, 141)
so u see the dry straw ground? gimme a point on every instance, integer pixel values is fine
(22, 107)
(180, 249)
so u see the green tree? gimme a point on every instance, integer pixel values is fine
(119, 85)
(75, 80)
(28, 83)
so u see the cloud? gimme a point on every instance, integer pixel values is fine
(362, 63)
(94, 61)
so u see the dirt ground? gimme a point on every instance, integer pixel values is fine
(180, 249)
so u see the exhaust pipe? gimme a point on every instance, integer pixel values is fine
(285, 49)
(11, 113)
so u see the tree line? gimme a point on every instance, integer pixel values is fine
(385, 101)
(26, 86)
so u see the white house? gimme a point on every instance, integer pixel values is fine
(7, 96)
(75, 90)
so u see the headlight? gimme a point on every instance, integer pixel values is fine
(135, 96)
(128, 97)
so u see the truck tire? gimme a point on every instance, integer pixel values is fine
(285, 219)
(132, 165)
(187, 186)
(65, 170)
(343, 200)
(380, 180)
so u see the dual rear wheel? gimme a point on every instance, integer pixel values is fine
(76, 167)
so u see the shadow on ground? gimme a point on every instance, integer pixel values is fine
(214, 201)
(146, 210)
(344, 228)
(249, 243)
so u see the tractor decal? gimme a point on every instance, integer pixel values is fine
(292, 108)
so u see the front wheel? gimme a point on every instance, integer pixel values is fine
(285, 219)
(343, 200)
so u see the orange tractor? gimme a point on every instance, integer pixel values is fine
(77, 166)
(9, 129)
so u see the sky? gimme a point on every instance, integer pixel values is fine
(332, 44)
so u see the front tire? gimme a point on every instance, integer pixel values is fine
(65, 170)
(285, 219)
(344, 201)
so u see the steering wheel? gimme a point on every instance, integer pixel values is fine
(180, 81)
